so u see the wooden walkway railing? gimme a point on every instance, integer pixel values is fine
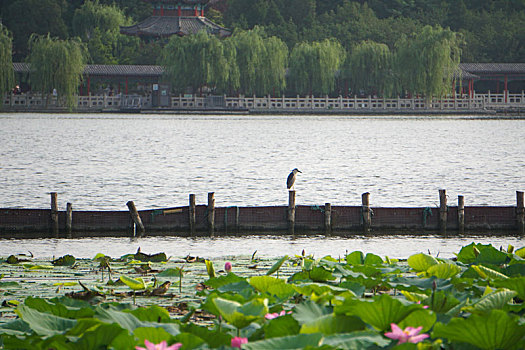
(458, 103)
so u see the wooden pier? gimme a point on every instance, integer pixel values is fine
(208, 220)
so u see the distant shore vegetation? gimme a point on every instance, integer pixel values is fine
(283, 47)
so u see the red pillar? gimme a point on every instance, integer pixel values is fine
(506, 92)
(179, 10)
(202, 12)
(88, 85)
(161, 10)
(196, 13)
(126, 85)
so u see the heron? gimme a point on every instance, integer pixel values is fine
(291, 178)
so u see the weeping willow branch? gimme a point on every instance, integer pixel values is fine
(7, 76)
(56, 64)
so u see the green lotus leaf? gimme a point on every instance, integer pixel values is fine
(443, 271)
(58, 309)
(331, 324)
(320, 274)
(66, 260)
(494, 330)
(17, 327)
(317, 288)
(37, 267)
(299, 341)
(356, 340)
(355, 258)
(421, 317)
(100, 337)
(214, 338)
(281, 326)
(516, 284)
(491, 255)
(241, 315)
(239, 287)
(469, 253)
(421, 262)
(355, 287)
(153, 334)
(126, 320)
(308, 311)
(220, 281)
(43, 323)
(133, 283)
(495, 300)
(171, 272)
(520, 252)
(153, 313)
(441, 301)
(380, 312)
(190, 341)
(277, 265)
(372, 259)
(263, 283)
(516, 269)
(487, 273)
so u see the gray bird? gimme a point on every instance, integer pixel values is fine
(291, 178)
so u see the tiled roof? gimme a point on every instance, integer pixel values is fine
(107, 70)
(493, 68)
(170, 25)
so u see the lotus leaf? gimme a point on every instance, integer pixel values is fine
(495, 300)
(299, 341)
(281, 326)
(443, 271)
(516, 284)
(421, 262)
(66, 260)
(355, 258)
(356, 340)
(100, 337)
(153, 334)
(133, 283)
(487, 273)
(209, 268)
(331, 324)
(190, 341)
(241, 315)
(171, 272)
(380, 312)
(494, 330)
(277, 265)
(43, 323)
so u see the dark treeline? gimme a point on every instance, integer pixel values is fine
(492, 30)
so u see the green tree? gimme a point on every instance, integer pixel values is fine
(425, 64)
(313, 66)
(368, 68)
(56, 64)
(6, 61)
(195, 61)
(27, 17)
(99, 26)
(261, 62)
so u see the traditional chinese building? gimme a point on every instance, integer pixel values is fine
(175, 17)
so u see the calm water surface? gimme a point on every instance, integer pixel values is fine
(99, 162)
(102, 161)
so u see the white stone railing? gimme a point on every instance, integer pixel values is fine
(285, 104)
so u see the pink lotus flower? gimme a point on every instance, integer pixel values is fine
(424, 306)
(271, 316)
(410, 334)
(161, 346)
(228, 266)
(238, 341)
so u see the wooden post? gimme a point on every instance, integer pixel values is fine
(328, 218)
(367, 217)
(237, 212)
(211, 213)
(54, 213)
(461, 214)
(69, 218)
(135, 216)
(520, 212)
(291, 212)
(443, 211)
(192, 214)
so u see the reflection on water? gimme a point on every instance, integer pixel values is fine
(266, 246)
(102, 161)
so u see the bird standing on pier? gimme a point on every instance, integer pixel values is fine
(291, 178)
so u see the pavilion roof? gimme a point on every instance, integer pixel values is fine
(493, 68)
(162, 26)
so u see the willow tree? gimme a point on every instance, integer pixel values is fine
(250, 59)
(313, 66)
(274, 67)
(195, 61)
(6, 61)
(368, 68)
(56, 64)
(426, 63)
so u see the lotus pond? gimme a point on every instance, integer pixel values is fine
(356, 301)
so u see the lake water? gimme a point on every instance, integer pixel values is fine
(101, 161)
